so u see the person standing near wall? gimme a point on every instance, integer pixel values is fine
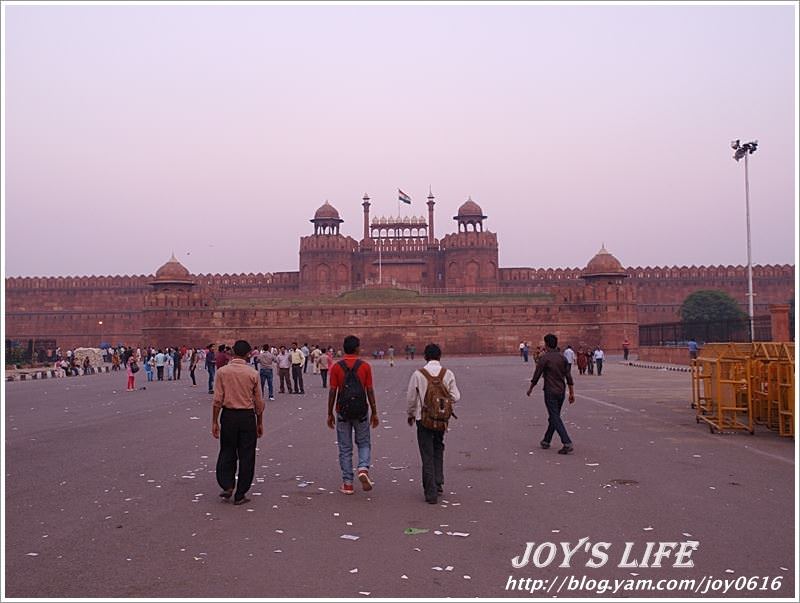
(284, 366)
(211, 366)
(194, 358)
(599, 356)
(693, 349)
(266, 360)
(325, 361)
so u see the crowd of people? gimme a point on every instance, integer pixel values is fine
(238, 407)
(587, 359)
(240, 377)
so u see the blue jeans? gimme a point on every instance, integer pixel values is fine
(266, 375)
(344, 437)
(554, 402)
(211, 371)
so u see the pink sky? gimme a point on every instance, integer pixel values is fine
(216, 132)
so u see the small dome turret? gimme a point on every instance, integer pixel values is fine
(173, 273)
(326, 220)
(604, 264)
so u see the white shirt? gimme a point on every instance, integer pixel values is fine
(598, 354)
(569, 354)
(418, 385)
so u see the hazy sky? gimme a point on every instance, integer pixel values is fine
(217, 131)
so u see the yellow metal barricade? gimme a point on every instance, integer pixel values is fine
(738, 385)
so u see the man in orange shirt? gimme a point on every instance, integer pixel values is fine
(351, 388)
(237, 421)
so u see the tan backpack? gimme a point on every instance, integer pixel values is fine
(437, 407)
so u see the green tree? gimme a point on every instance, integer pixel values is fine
(710, 305)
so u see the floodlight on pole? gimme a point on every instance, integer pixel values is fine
(742, 151)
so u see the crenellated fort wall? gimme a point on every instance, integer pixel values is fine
(415, 287)
(69, 309)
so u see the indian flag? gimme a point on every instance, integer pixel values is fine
(403, 197)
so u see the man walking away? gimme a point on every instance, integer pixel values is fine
(351, 389)
(178, 359)
(569, 354)
(237, 421)
(429, 388)
(306, 353)
(599, 356)
(552, 366)
(265, 362)
(626, 348)
(211, 366)
(325, 361)
(222, 356)
(315, 354)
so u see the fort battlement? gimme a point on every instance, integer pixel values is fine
(464, 300)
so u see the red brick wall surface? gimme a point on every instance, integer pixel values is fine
(262, 306)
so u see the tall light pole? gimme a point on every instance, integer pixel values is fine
(743, 150)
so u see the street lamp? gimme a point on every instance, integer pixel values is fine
(100, 324)
(743, 150)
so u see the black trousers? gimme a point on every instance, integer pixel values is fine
(297, 377)
(431, 450)
(237, 443)
(599, 363)
(324, 373)
(160, 372)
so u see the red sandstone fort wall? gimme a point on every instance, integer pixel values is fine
(661, 290)
(69, 309)
(460, 328)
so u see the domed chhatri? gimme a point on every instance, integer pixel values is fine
(173, 273)
(470, 209)
(470, 213)
(604, 264)
(326, 220)
(327, 212)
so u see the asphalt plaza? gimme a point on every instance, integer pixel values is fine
(112, 494)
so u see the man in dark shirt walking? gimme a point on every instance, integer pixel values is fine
(553, 367)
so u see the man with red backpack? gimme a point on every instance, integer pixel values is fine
(350, 390)
(432, 390)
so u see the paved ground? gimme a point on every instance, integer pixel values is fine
(112, 494)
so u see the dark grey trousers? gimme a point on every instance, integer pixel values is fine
(431, 449)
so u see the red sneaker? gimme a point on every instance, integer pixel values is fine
(346, 489)
(363, 477)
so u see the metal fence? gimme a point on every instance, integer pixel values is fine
(678, 334)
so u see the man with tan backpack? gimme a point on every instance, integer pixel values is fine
(432, 391)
